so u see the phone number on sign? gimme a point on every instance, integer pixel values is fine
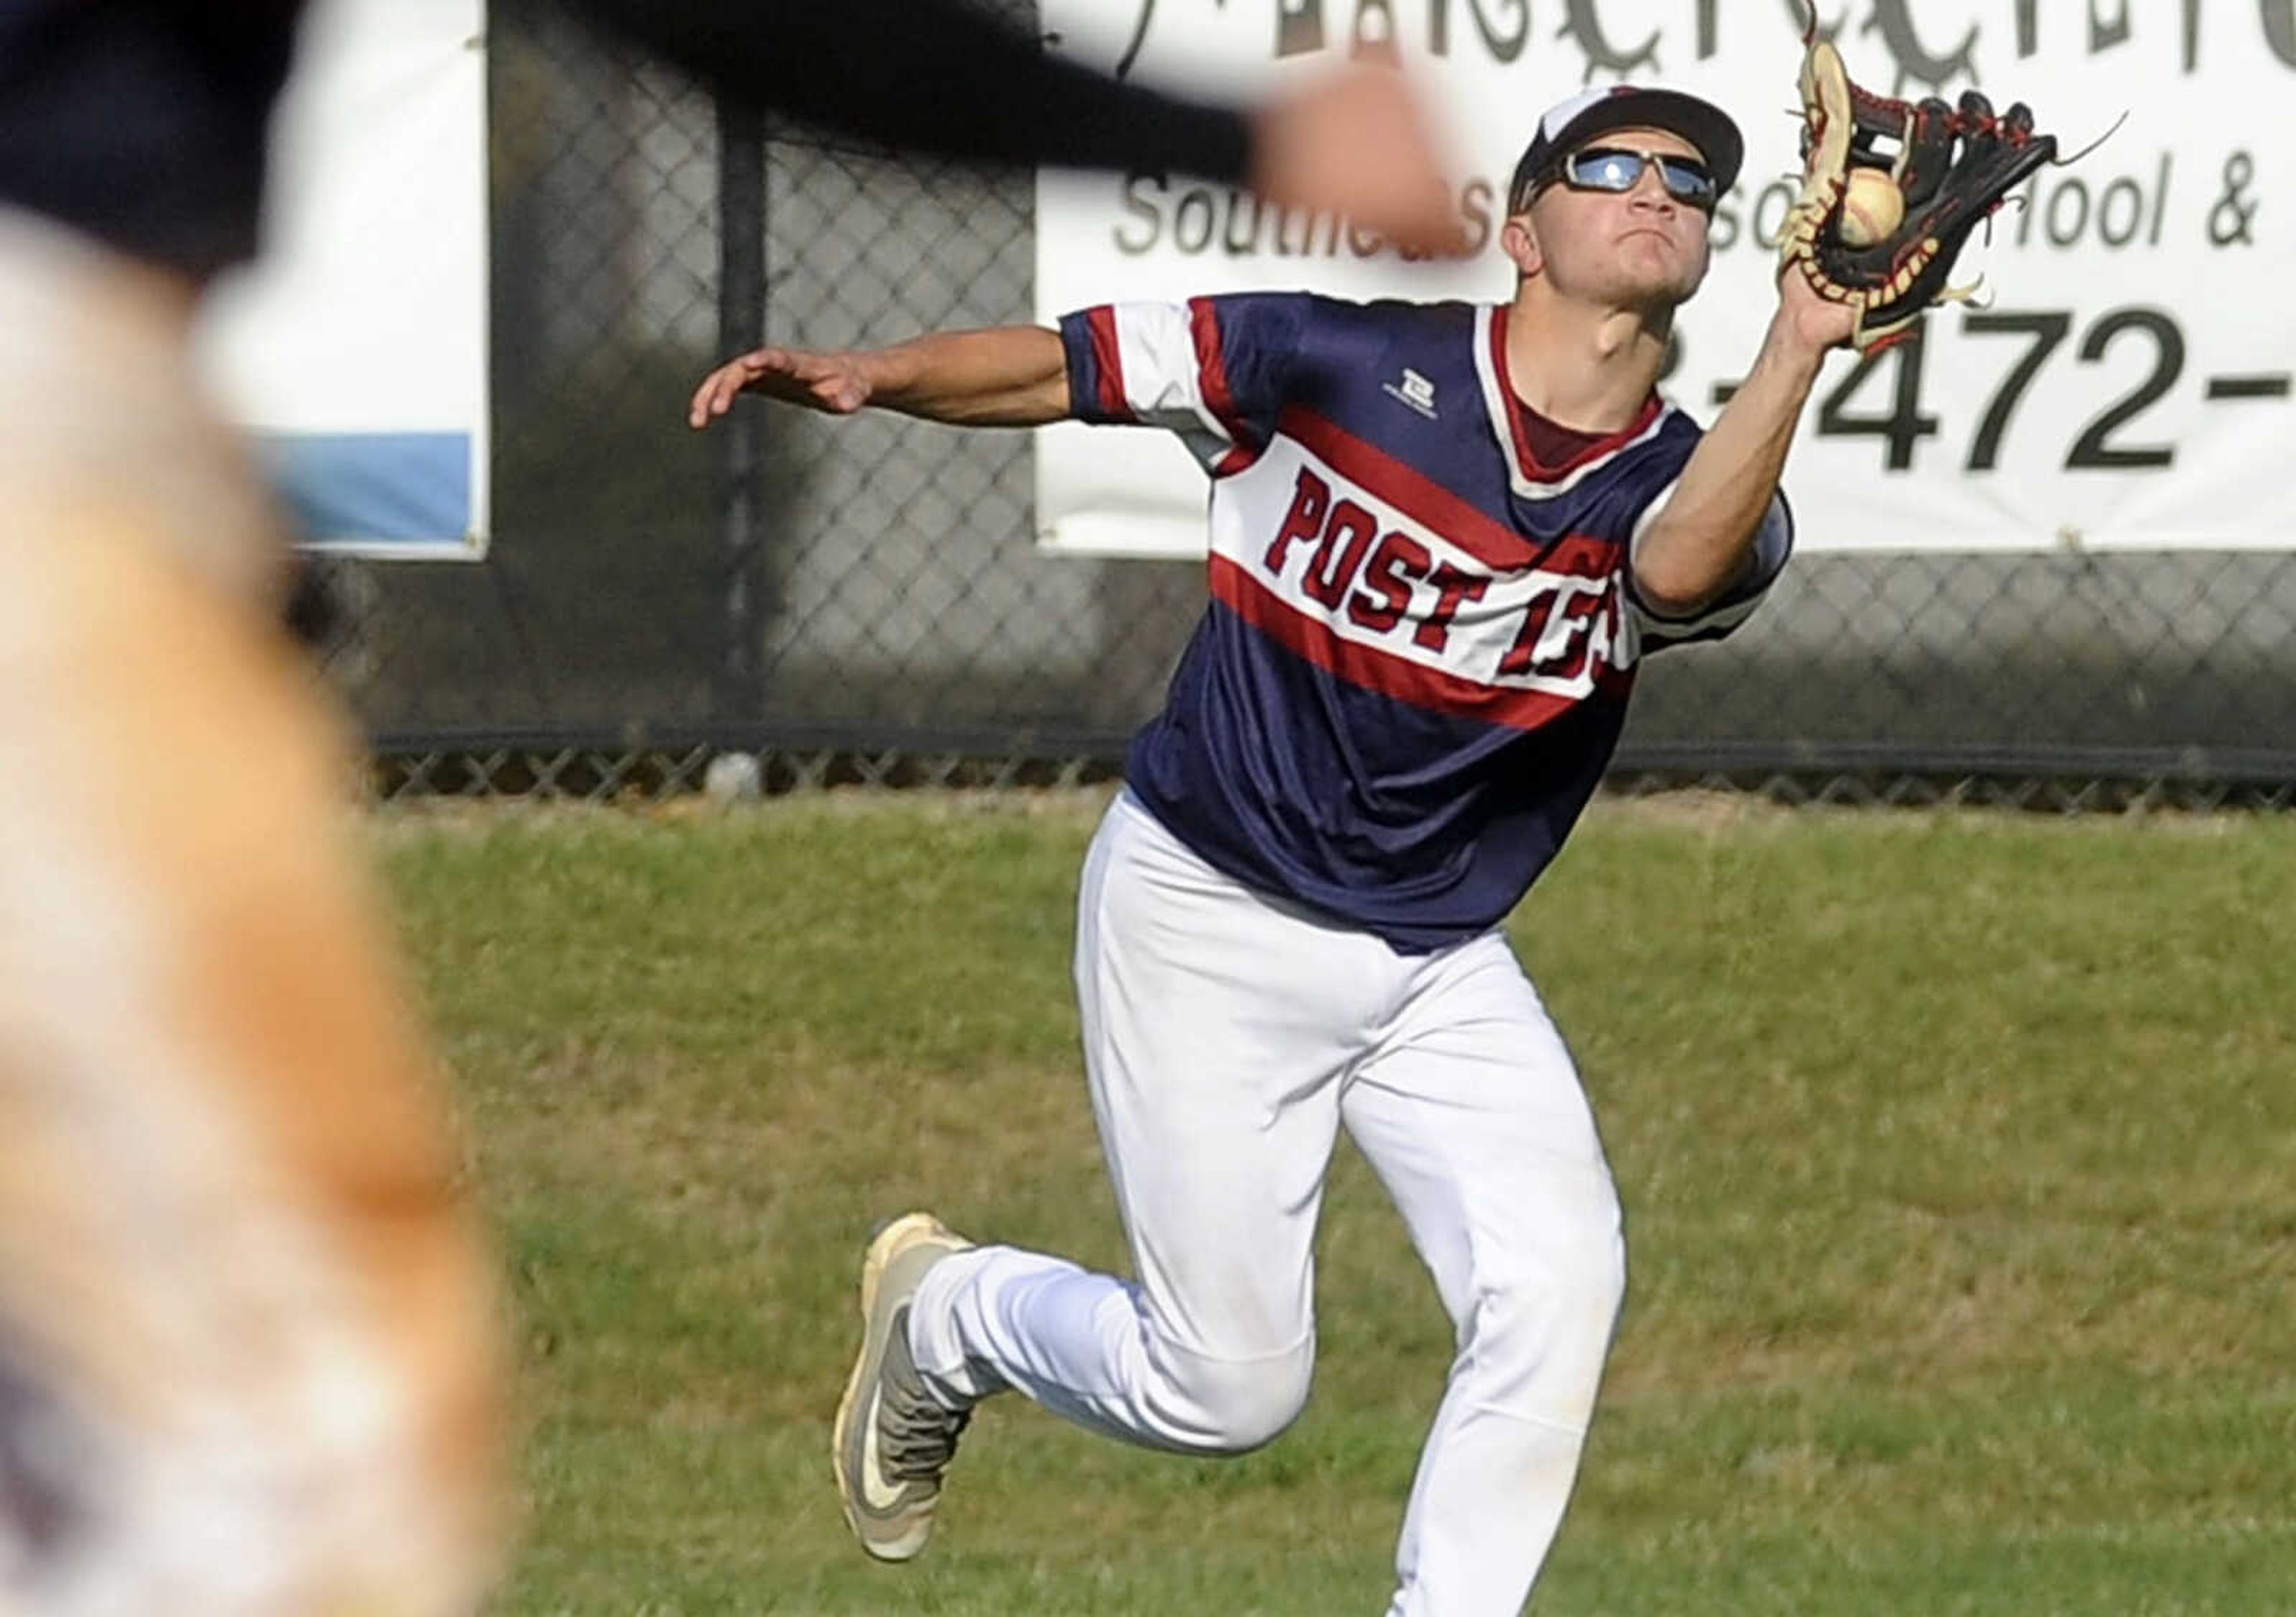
(1882, 396)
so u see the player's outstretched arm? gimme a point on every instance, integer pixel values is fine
(1004, 376)
(1703, 541)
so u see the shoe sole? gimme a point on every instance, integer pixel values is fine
(896, 1240)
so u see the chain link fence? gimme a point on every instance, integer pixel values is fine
(865, 599)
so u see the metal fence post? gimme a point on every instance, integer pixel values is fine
(740, 327)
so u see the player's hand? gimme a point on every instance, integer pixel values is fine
(1807, 318)
(835, 384)
(1354, 143)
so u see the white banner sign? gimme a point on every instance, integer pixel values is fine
(2124, 380)
(355, 350)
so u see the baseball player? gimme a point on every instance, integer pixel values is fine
(248, 1350)
(1443, 538)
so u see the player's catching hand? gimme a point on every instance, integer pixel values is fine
(834, 383)
(1806, 316)
(1892, 191)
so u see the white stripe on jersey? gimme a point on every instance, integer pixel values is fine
(1163, 375)
(1584, 627)
(1773, 542)
(1495, 407)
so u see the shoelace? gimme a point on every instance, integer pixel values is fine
(917, 1438)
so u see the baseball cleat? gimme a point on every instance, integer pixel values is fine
(893, 1439)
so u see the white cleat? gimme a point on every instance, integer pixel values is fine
(893, 1440)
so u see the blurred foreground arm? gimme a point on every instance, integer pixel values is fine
(1005, 376)
(942, 75)
(1353, 143)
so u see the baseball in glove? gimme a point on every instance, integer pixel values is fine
(1892, 190)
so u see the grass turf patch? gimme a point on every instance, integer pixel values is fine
(1955, 1148)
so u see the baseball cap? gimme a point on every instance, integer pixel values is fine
(1568, 124)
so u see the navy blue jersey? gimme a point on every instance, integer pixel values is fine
(1416, 658)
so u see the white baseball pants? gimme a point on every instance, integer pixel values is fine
(1227, 1039)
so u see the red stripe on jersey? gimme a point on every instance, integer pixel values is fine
(1526, 455)
(1108, 359)
(1407, 681)
(1495, 544)
(1211, 366)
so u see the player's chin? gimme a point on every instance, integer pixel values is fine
(1660, 285)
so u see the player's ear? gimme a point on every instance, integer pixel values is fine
(1518, 239)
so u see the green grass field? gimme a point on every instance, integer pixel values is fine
(1958, 1151)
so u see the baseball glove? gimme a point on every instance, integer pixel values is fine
(1880, 230)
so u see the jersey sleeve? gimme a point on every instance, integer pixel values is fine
(1215, 370)
(1773, 545)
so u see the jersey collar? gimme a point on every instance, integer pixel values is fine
(1526, 475)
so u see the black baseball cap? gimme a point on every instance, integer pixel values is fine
(1571, 124)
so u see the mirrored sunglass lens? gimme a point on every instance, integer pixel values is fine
(1606, 170)
(1687, 181)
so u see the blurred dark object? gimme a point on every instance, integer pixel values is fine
(313, 612)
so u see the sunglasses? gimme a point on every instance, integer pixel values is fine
(1614, 169)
